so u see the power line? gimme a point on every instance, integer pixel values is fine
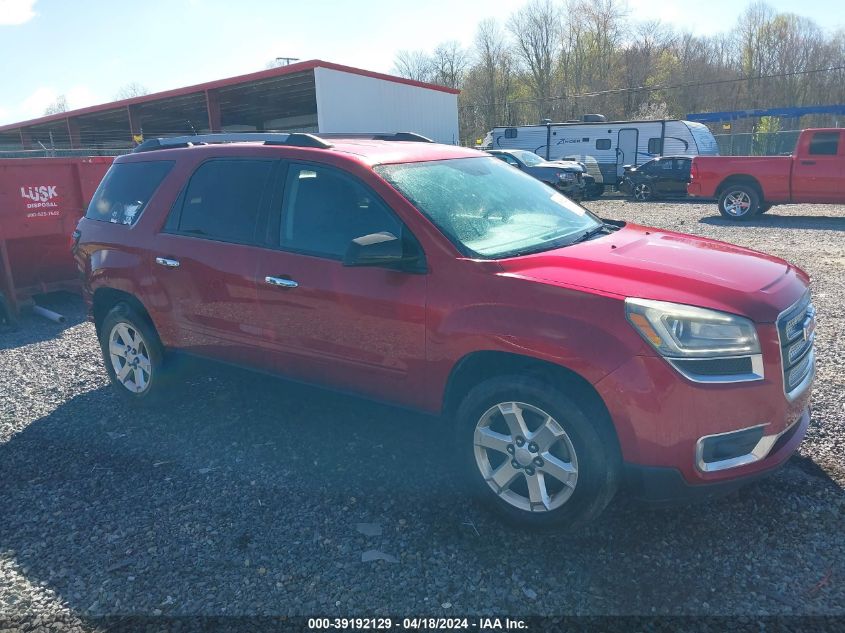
(689, 84)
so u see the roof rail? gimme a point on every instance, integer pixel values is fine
(290, 139)
(293, 139)
(380, 136)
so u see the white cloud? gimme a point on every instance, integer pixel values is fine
(80, 96)
(14, 12)
(33, 106)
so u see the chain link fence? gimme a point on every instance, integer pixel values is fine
(757, 143)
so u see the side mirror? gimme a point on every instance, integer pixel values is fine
(379, 249)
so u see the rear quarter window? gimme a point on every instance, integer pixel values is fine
(125, 191)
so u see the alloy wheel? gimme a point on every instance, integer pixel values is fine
(525, 456)
(130, 357)
(642, 192)
(737, 203)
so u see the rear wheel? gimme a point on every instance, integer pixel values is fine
(739, 202)
(534, 456)
(133, 356)
(642, 192)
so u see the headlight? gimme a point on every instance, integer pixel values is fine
(681, 331)
(565, 175)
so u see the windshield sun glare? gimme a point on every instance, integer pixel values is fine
(487, 208)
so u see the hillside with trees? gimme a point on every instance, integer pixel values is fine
(562, 59)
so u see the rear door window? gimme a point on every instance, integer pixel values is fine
(225, 201)
(125, 191)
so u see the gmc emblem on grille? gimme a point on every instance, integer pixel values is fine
(809, 327)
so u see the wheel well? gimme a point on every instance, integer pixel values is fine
(740, 179)
(106, 298)
(477, 367)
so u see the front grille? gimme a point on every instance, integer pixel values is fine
(796, 331)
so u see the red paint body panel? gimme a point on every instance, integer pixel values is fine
(802, 177)
(397, 336)
(650, 263)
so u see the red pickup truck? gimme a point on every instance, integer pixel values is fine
(748, 185)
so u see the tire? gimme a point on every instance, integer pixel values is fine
(568, 446)
(147, 383)
(596, 192)
(739, 202)
(642, 192)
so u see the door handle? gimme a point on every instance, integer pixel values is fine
(167, 262)
(808, 162)
(281, 282)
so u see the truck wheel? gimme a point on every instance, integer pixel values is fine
(739, 202)
(133, 356)
(596, 192)
(532, 455)
(642, 192)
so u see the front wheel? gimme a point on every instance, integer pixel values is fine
(133, 356)
(739, 202)
(533, 455)
(642, 192)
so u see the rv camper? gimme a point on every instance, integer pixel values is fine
(605, 147)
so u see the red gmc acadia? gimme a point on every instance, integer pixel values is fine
(574, 354)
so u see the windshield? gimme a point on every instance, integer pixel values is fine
(487, 208)
(529, 158)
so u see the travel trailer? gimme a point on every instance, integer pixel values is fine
(605, 147)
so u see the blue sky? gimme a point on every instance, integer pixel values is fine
(88, 49)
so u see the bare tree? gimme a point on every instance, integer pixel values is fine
(132, 89)
(657, 110)
(59, 105)
(413, 65)
(449, 64)
(494, 75)
(536, 29)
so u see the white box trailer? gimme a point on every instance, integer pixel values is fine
(607, 146)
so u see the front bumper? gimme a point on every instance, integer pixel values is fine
(570, 188)
(694, 429)
(666, 485)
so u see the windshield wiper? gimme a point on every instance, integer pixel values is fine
(601, 228)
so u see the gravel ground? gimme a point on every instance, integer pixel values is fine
(246, 496)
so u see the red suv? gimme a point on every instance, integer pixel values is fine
(574, 354)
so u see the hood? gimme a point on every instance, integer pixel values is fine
(567, 165)
(652, 264)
